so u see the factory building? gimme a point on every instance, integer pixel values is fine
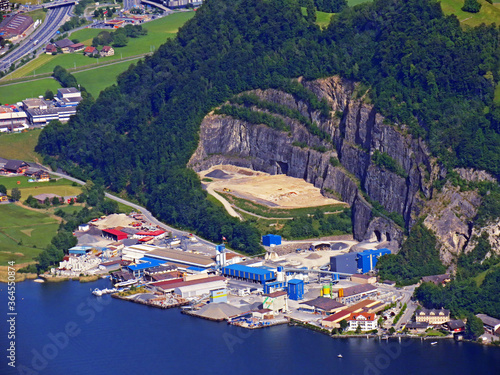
(367, 260)
(114, 234)
(296, 289)
(322, 305)
(271, 240)
(345, 263)
(254, 274)
(276, 301)
(218, 296)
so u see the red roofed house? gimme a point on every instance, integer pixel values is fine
(157, 234)
(365, 321)
(107, 51)
(90, 51)
(114, 234)
(50, 49)
(76, 47)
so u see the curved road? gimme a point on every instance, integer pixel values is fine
(147, 214)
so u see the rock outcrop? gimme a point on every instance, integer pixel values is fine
(357, 130)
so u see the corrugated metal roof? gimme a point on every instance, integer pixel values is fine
(243, 268)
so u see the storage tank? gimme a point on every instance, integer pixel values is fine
(326, 290)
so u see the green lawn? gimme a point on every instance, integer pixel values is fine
(11, 182)
(488, 14)
(323, 19)
(158, 32)
(23, 233)
(97, 80)
(20, 146)
(356, 2)
(20, 91)
(38, 14)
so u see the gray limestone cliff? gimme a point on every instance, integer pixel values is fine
(357, 131)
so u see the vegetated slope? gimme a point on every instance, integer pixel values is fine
(139, 135)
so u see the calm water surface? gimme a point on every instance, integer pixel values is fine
(63, 329)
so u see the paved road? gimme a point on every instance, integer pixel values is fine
(55, 18)
(147, 214)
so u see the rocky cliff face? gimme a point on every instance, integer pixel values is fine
(357, 131)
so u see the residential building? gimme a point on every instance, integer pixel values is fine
(417, 327)
(365, 321)
(76, 47)
(37, 175)
(433, 316)
(50, 49)
(356, 293)
(455, 326)
(42, 197)
(64, 45)
(107, 51)
(491, 325)
(15, 166)
(90, 51)
(437, 279)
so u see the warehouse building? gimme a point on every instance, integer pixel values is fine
(253, 274)
(295, 289)
(16, 27)
(114, 234)
(323, 306)
(367, 260)
(192, 288)
(142, 265)
(356, 293)
(345, 263)
(181, 258)
(271, 240)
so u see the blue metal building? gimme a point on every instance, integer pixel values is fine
(271, 239)
(296, 289)
(260, 275)
(143, 264)
(367, 260)
(345, 263)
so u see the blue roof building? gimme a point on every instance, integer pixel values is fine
(143, 264)
(367, 260)
(271, 239)
(344, 263)
(255, 274)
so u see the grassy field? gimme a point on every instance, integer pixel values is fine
(323, 19)
(20, 146)
(11, 182)
(20, 91)
(489, 13)
(96, 80)
(38, 14)
(265, 211)
(356, 2)
(158, 32)
(23, 233)
(49, 188)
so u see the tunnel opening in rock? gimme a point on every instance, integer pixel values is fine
(388, 236)
(282, 167)
(378, 235)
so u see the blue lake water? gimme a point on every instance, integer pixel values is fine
(62, 328)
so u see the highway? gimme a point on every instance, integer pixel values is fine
(55, 18)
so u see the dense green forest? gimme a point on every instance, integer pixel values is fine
(139, 134)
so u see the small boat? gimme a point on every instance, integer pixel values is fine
(339, 356)
(434, 343)
(97, 292)
(39, 280)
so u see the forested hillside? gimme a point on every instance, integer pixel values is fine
(422, 69)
